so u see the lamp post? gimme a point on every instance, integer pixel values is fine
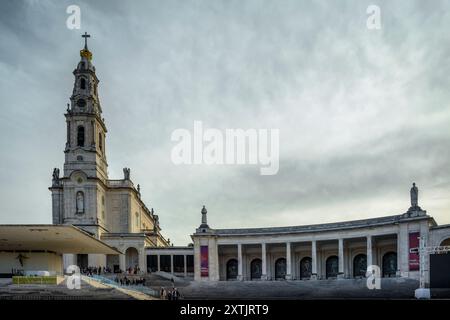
(422, 292)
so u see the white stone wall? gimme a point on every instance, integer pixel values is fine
(117, 207)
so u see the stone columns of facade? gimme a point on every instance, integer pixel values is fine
(57, 206)
(369, 251)
(171, 263)
(288, 261)
(68, 260)
(239, 247)
(122, 262)
(159, 262)
(185, 265)
(264, 262)
(314, 260)
(142, 260)
(341, 259)
(197, 276)
(213, 259)
(403, 251)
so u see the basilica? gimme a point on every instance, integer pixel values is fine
(113, 212)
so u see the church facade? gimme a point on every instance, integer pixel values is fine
(84, 196)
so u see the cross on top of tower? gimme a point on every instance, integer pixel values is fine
(85, 36)
(85, 52)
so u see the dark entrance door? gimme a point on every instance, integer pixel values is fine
(332, 267)
(232, 269)
(439, 270)
(360, 266)
(82, 261)
(256, 269)
(305, 268)
(280, 269)
(390, 264)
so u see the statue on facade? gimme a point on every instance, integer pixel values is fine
(55, 176)
(414, 196)
(155, 223)
(80, 202)
(126, 173)
(414, 210)
(139, 188)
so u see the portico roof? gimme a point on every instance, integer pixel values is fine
(335, 226)
(55, 238)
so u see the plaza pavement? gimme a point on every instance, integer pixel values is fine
(395, 288)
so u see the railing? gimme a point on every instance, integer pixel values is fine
(112, 283)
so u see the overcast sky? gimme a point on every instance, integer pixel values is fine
(362, 113)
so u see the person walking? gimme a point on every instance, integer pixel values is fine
(162, 293)
(175, 294)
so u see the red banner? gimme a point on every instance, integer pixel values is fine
(204, 261)
(414, 258)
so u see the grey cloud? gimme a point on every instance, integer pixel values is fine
(361, 113)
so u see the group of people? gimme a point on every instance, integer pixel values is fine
(130, 278)
(131, 281)
(89, 271)
(135, 270)
(173, 294)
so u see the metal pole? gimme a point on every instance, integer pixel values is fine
(422, 262)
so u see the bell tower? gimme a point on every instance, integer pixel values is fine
(86, 130)
(79, 195)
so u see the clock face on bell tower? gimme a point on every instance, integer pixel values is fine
(81, 103)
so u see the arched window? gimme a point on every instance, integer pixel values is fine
(103, 207)
(137, 220)
(82, 83)
(80, 136)
(100, 141)
(280, 269)
(360, 266)
(390, 264)
(80, 202)
(256, 269)
(232, 272)
(332, 267)
(445, 242)
(305, 268)
(132, 258)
